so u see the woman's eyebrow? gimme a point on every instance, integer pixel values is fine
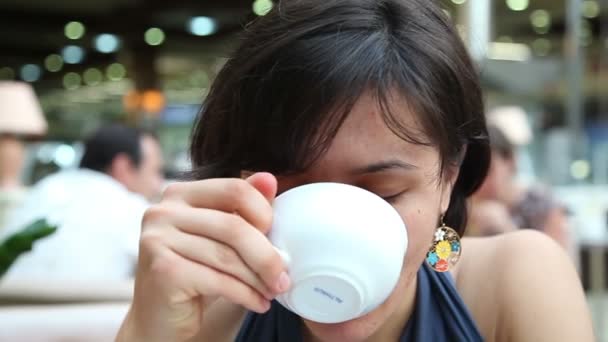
(384, 166)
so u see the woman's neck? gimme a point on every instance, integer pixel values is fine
(392, 329)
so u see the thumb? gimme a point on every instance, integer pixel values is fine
(265, 183)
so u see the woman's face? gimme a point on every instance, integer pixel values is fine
(497, 183)
(367, 154)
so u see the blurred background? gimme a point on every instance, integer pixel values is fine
(69, 67)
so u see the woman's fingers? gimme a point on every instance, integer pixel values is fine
(214, 283)
(251, 245)
(228, 195)
(218, 256)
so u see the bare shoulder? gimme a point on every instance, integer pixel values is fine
(522, 286)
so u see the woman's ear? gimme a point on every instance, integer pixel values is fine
(447, 185)
(450, 176)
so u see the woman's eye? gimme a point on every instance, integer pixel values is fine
(392, 198)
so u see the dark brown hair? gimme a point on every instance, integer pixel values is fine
(279, 100)
(500, 143)
(103, 146)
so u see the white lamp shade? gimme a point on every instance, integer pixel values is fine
(20, 111)
(513, 122)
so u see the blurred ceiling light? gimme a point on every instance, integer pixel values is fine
(7, 73)
(509, 52)
(74, 30)
(541, 21)
(541, 46)
(53, 63)
(30, 72)
(92, 76)
(72, 54)
(202, 26)
(71, 81)
(152, 101)
(148, 101)
(154, 36)
(262, 7)
(107, 43)
(459, 2)
(518, 5)
(116, 72)
(591, 9)
(580, 169)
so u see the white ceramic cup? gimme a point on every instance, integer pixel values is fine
(344, 248)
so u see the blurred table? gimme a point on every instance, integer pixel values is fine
(47, 291)
(53, 311)
(92, 322)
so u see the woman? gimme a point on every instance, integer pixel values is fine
(379, 94)
(530, 207)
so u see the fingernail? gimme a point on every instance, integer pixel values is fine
(284, 282)
(265, 306)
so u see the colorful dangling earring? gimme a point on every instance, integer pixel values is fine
(445, 250)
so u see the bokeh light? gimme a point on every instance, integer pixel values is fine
(72, 81)
(107, 43)
(580, 169)
(30, 72)
(541, 47)
(116, 72)
(262, 7)
(74, 30)
(154, 36)
(202, 26)
(541, 21)
(92, 76)
(53, 63)
(72, 54)
(591, 9)
(518, 5)
(65, 155)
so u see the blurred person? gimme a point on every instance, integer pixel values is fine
(130, 157)
(489, 217)
(12, 158)
(502, 204)
(12, 191)
(376, 94)
(21, 119)
(97, 207)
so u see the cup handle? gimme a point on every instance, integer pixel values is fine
(284, 256)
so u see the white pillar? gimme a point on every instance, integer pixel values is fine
(575, 67)
(476, 17)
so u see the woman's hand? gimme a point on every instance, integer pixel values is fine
(205, 240)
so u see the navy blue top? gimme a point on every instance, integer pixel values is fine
(439, 315)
